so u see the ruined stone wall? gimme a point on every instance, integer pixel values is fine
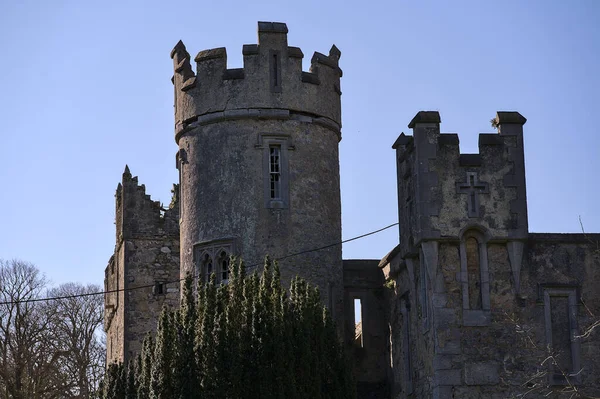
(144, 271)
(364, 280)
(113, 308)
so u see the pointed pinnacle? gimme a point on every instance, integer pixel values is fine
(127, 173)
(335, 52)
(179, 47)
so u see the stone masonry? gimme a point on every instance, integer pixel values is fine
(469, 304)
(477, 304)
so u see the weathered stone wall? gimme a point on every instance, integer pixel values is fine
(478, 303)
(226, 121)
(498, 358)
(144, 271)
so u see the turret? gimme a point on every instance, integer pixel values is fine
(258, 160)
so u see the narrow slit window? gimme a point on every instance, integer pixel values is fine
(275, 172)
(358, 324)
(275, 71)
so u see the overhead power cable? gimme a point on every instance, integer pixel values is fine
(55, 298)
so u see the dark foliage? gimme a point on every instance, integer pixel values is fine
(247, 339)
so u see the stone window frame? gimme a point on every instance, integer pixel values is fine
(572, 293)
(213, 249)
(265, 142)
(475, 317)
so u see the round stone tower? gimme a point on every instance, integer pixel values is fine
(258, 161)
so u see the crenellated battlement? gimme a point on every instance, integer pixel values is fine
(440, 190)
(138, 215)
(270, 85)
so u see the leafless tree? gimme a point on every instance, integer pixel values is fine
(48, 349)
(77, 331)
(28, 364)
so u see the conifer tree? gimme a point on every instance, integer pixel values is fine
(186, 380)
(248, 345)
(220, 349)
(198, 344)
(244, 340)
(114, 385)
(144, 369)
(205, 346)
(161, 379)
(235, 327)
(130, 380)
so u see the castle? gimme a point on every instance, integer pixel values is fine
(469, 304)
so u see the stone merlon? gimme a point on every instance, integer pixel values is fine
(271, 77)
(425, 117)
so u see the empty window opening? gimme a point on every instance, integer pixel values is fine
(159, 288)
(358, 324)
(275, 171)
(473, 273)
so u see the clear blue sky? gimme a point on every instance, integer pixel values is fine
(85, 88)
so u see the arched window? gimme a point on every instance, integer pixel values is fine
(475, 277)
(207, 267)
(224, 266)
(213, 257)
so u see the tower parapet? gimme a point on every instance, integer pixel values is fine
(441, 191)
(271, 85)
